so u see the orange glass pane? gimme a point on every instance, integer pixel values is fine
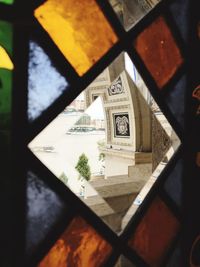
(198, 159)
(155, 233)
(159, 52)
(79, 29)
(80, 245)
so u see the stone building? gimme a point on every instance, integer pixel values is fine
(130, 12)
(136, 142)
(139, 142)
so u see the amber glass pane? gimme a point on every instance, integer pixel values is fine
(79, 29)
(158, 50)
(155, 233)
(80, 245)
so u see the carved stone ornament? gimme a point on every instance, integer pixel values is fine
(116, 88)
(121, 122)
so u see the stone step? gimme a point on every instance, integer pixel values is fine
(117, 186)
(107, 214)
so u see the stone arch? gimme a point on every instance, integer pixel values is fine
(123, 103)
(122, 99)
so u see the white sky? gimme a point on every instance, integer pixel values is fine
(80, 96)
(95, 111)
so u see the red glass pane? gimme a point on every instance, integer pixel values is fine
(155, 233)
(159, 52)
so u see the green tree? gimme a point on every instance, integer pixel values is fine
(63, 178)
(83, 167)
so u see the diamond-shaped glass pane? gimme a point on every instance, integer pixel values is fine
(110, 144)
(173, 185)
(45, 83)
(178, 92)
(44, 209)
(79, 245)
(155, 233)
(130, 12)
(159, 51)
(79, 29)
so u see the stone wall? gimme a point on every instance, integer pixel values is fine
(160, 142)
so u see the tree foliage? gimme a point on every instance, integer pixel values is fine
(63, 178)
(83, 167)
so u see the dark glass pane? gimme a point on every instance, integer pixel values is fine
(198, 159)
(175, 257)
(44, 209)
(180, 12)
(45, 83)
(173, 185)
(176, 100)
(79, 245)
(195, 252)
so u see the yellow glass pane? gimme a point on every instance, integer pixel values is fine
(5, 62)
(79, 29)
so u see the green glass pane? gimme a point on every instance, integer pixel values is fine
(6, 67)
(5, 90)
(5, 77)
(9, 2)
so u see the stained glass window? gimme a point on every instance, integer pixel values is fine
(99, 127)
